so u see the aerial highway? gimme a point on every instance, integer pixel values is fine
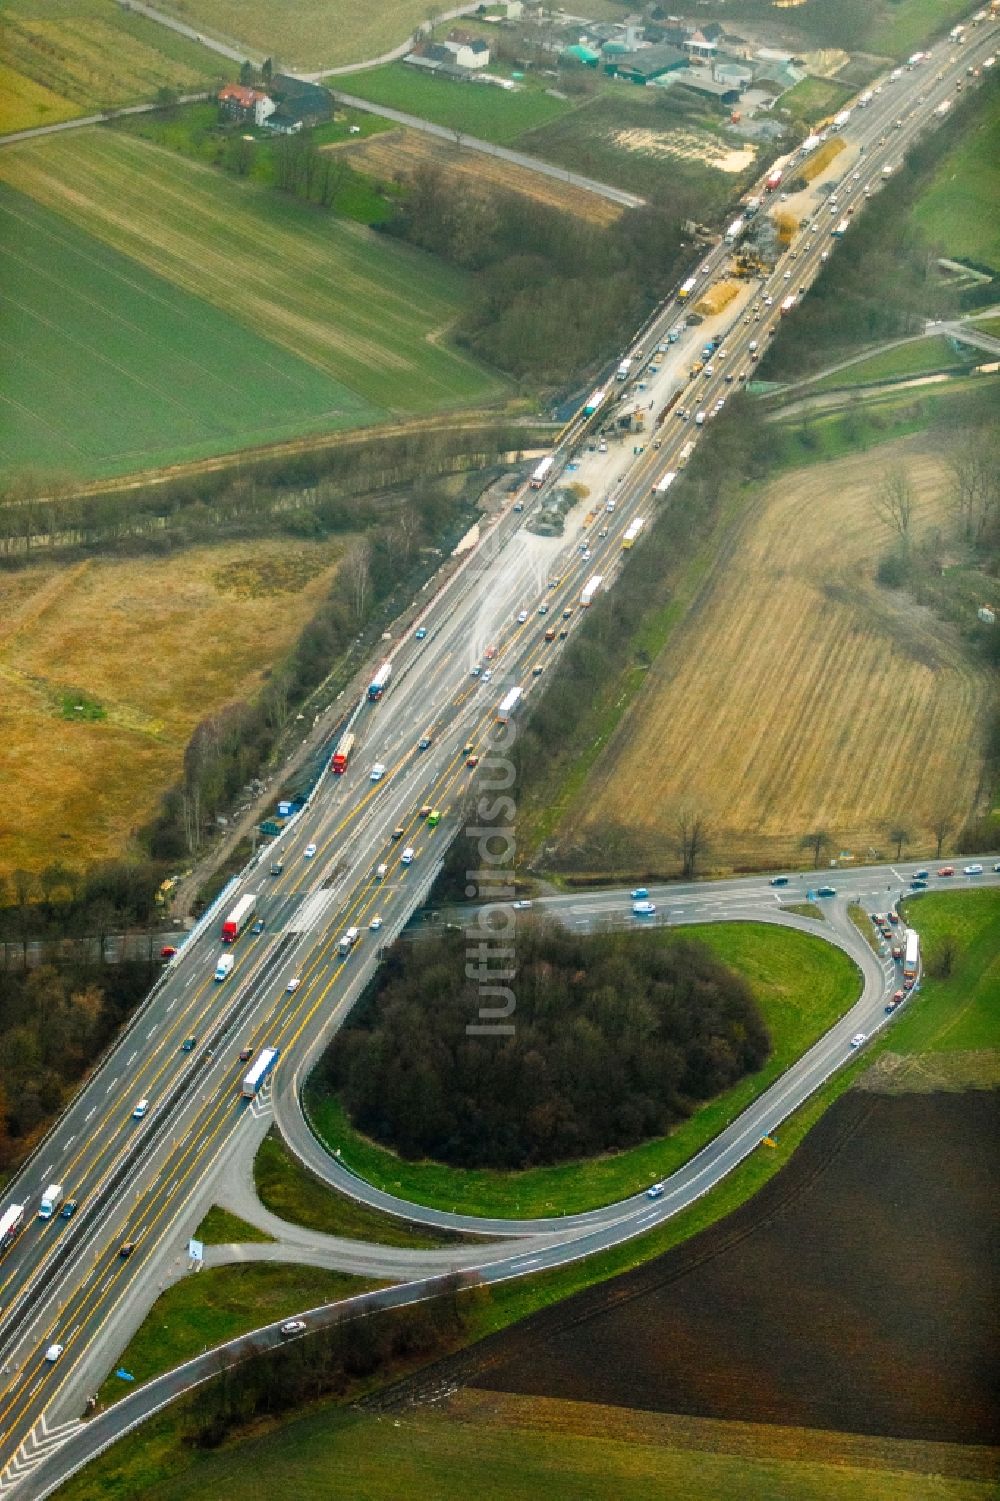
(142, 1178)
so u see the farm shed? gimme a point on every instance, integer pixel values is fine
(648, 65)
(581, 54)
(691, 78)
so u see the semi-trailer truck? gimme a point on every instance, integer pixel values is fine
(255, 1076)
(788, 304)
(239, 917)
(685, 453)
(378, 684)
(540, 473)
(507, 705)
(662, 486)
(911, 955)
(11, 1223)
(593, 403)
(590, 589)
(735, 230)
(342, 754)
(632, 532)
(686, 288)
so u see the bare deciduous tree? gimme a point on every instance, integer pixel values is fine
(942, 825)
(819, 842)
(892, 500)
(691, 837)
(899, 834)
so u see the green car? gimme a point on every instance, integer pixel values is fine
(434, 818)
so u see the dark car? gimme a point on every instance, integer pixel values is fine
(471, 761)
(918, 885)
(398, 832)
(778, 881)
(245, 1054)
(68, 1210)
(921, 875)
(424, 743)
(258, 926)
(125, 1249)
(189, 1044)
(827, 891)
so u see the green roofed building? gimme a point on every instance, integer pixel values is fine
(581, 54)
(648, 64)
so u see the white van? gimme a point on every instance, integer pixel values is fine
(377, 772)
(407, 856)
(380, 872)
(140, 1110)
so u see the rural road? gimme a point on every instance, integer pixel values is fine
(81, 120)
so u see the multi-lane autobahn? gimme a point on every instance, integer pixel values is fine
(144, 1182)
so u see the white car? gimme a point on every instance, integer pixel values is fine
(973, 870)
(53, 1353)
(521, 905)
(857, 1039)
(655, 1191)
(309, 851)
(377, 772)
(140, 1110)
(643, 909)
(375, 924)
(294, 1326)
(522, 617)
(407, 856)
(586, 554)
(293, 984)
(477, 671)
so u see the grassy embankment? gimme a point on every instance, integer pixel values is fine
(489, 114)
(928, 356)
(954, 210)
(947, 1015)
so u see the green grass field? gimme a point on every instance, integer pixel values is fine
(802, 986)
(896, 28)
(989, 326)
(815, 98)
(963, 1011)
(514, 1449)
(954, 210)
(213, 315)
(922, 357)
(108, 368)
(491, 114)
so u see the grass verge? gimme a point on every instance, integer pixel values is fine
(859, 917)
(209, 1307)
(806, 909)
(802, 985)
(489, 114)
(286, 1188)
(922, 357)
(220, 1228)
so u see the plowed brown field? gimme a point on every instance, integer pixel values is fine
(797, 694)
(397, 154)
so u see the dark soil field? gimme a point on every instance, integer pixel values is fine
(857, 1292)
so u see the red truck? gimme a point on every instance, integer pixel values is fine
(342, 754)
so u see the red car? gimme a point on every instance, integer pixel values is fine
(893, 918)
(897, 952)
(168, 951)
(947, 870)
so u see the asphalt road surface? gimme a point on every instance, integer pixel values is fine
(145, 1182)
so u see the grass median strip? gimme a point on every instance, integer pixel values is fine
(802, 985)
(220, 1228)
(288, 1189)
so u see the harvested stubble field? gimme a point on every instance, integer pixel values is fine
(797, 694)
(91, 54)
(396, 155)
(371, 314)
(854, 1293)
(306, 33)
(198, 631)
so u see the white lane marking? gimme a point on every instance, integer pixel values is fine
(152, 1029)
(132, 1056)
(71, 1139)
(90, 1112)
(46, 1170)
(111, 1086)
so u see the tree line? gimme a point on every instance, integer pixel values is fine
(332, 1361)
(308, 493)
(616, 1039)
(550, 294)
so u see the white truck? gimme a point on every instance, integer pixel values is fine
(735, 230)
(51, 1199)
(590, 589)
(224, 968)
(622, 373)
(348, 941)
